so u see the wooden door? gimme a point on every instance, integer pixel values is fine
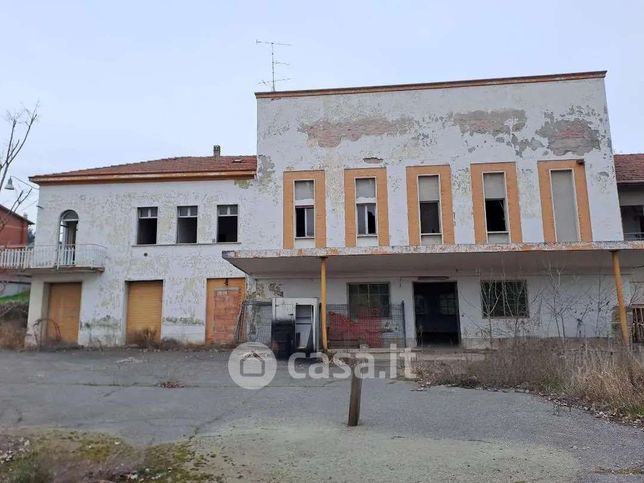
(63, 314)
(144, 305)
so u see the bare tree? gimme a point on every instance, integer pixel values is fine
(20, 125)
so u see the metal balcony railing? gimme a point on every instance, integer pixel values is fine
(637, 235)
(90, 257)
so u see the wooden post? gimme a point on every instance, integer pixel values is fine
(323, 303)
(355, 396)
(617, 275)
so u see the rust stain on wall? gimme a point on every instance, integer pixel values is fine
(330, 134)
(570, 136)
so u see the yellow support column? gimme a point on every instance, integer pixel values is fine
(323, 303)
(617, 275)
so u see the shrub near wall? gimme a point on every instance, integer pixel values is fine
(13, 324)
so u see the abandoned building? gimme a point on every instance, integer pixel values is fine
(421, 214)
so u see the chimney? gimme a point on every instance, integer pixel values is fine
(216, 150)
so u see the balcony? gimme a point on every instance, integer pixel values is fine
(73, 258)
(636, 235)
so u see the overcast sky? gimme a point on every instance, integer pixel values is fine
(124, 81)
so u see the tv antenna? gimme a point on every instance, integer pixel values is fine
(273, 63)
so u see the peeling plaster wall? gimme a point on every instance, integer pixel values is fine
(108, 217)
(523, 123)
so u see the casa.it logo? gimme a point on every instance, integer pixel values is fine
(252, 365)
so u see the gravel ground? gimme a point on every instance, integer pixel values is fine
(295, 429)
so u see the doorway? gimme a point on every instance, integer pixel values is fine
(63, 313)
(225, 299)
(436, 313)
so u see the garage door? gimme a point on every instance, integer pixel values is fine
(144, 301)
(225, 296)
(63, 314)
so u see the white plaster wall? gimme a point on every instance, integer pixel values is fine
(108, 216)
(442, 126)
(523, 123)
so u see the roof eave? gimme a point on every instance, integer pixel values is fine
(600, 74)
(143, 177)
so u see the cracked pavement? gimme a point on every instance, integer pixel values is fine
(297, 427)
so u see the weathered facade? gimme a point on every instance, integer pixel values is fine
(482, 209)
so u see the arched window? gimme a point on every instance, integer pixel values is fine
(68, 228)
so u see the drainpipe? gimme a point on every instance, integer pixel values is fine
(323, 303)
(617, 275)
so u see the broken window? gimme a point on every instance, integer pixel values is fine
(564, 205)
(366, 206)
(227, 216)
(429, 207)
(187, 224)
(304, 209)
(368, 300)
(504, 298)
(495, 207)
(147, 226)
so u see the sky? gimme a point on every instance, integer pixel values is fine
(124, 81)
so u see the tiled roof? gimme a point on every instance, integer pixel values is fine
(186, 167)
(629, 168)
(16, 215)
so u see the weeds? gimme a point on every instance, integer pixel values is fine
(145, 339)
(64, 456)
(12, 335)
(605, 379)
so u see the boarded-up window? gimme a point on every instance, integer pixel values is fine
(429, 199)
(564, 205)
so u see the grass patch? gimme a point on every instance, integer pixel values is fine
(60, 456)
(19, 297)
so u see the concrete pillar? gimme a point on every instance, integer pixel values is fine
(323, 303)
(619, 290)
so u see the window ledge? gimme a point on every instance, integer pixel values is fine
(368, 236)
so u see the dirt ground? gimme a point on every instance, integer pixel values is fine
(294, 429)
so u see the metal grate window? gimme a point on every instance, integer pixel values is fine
(367, 299)
(504, 298)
